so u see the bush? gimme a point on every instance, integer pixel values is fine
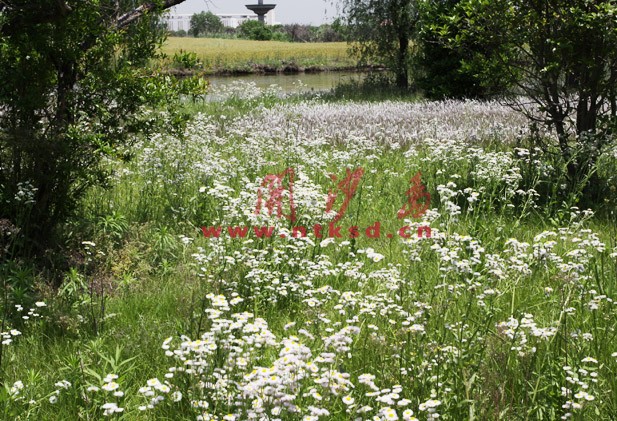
(181, 33)
(254, 30)
(186, 60)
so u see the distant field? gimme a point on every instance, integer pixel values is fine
(230, 55)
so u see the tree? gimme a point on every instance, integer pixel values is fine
(330, 33)
(297, 33)
(74, 86)
(382, 30)
(205, 23)
(179, 33)
(559, 57)
(254, 30)
(439, 66)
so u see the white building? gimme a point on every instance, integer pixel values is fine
(182, 22)
(176, 22)
(231, 20)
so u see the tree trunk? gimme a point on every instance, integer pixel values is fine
(612, 85)
(402, 71)
(586, 115)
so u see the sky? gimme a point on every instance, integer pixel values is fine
(314, 12)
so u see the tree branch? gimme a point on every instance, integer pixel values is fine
(28, 17)
(130, 17)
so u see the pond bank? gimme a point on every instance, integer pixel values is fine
(268, 70)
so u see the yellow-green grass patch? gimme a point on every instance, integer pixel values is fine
(221, 55)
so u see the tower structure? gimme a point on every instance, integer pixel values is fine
(261, 10)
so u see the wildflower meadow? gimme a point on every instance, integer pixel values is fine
(506, 312)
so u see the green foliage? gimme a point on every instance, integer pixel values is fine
(74, 86)
(205, 23)
(277, 35)
(180, 33)
(383, 31)
(186, 60)
(307, 33)
(560, 55)
(439, 66)
(255, 30)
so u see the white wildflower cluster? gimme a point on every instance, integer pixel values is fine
(518, 332)
(60, 386)
(579, 383)
(111, 395)
(33, 313)
(495, 167)
(228, 380)
(372, 254)
(16, 390)
(25, 193)
(430, 406)
(597, 300)
(389, 123)
(157, 390)
(7, 337)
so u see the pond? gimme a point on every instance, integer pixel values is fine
(289, 83)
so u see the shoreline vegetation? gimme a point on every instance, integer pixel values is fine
(233, 57)
(283, 68)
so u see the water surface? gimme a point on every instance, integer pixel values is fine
(291, 83)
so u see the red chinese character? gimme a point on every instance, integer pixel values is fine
(274, 183)
(348, 187)
(413, 207)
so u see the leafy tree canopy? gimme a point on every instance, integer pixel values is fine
(382, 31)
(76, 81)
(439, 69)
(559, 58)
(205, 23)
(255, 30)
